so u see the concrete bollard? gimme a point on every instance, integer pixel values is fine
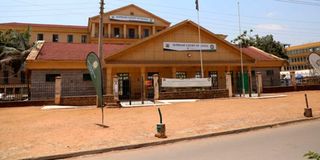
(161, 128)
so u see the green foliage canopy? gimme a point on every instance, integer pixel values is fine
(14, 48)
(266, 43)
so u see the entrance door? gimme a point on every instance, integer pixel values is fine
(246, 82)
(124, 86)
(150, 89)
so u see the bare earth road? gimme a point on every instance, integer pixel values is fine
(282, 143)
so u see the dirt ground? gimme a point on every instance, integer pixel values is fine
(30, 132)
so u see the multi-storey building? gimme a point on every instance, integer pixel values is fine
(139, 44)
(298, 56)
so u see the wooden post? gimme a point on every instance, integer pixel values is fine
(156, 87)
(229, 83)
(57, 95)
(259, 83)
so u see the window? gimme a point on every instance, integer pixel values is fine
(40, 37)
(269, 72)
(86, 77)
(146, 33)
(197, 75)
(22, 77)
(55, 38)
(70, 39)
(51, 77)
(116, 32)
(5, 77)
(181, 75)
(131, 33)
(83, 38)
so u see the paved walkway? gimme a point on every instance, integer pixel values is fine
(31, 131)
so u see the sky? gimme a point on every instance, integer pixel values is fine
(289, 21)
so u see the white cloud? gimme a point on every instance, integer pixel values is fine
(274, 27)
(270, 14)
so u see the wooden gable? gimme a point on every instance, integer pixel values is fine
(150, 50)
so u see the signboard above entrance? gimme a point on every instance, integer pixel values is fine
(131, 18)
(179, 46)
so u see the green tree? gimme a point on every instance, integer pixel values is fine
(312, 155)
(266, 43)
(14, 48)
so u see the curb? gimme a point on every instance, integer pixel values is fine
(141, 145)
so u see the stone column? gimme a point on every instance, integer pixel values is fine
(109, 30)
(115, 88)
(293, 79)
(139, 31)
(109, 81)
(93, 30)
(124, 31)
(229, 83)
(156, 86)
(58, 88)
(259, 83)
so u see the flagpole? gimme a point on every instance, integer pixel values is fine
(200, 49)
(100, 53)
(240, 44)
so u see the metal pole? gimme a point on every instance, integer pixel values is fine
(242, 78)
(200, 49)
(100, 49)
(305, 95)
(100, 54)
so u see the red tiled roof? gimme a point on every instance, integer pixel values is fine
(259, 55)
(73, 51)
(43, 25)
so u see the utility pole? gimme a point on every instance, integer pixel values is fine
(199, 39)
(241, 59)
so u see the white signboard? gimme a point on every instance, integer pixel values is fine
(132, 18)
(178, 46)
(314, 60)
(190, 82)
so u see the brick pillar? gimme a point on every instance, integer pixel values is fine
(57, 93)
(229, 84)
(156, 86)
(259, 83)
(293, 79)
